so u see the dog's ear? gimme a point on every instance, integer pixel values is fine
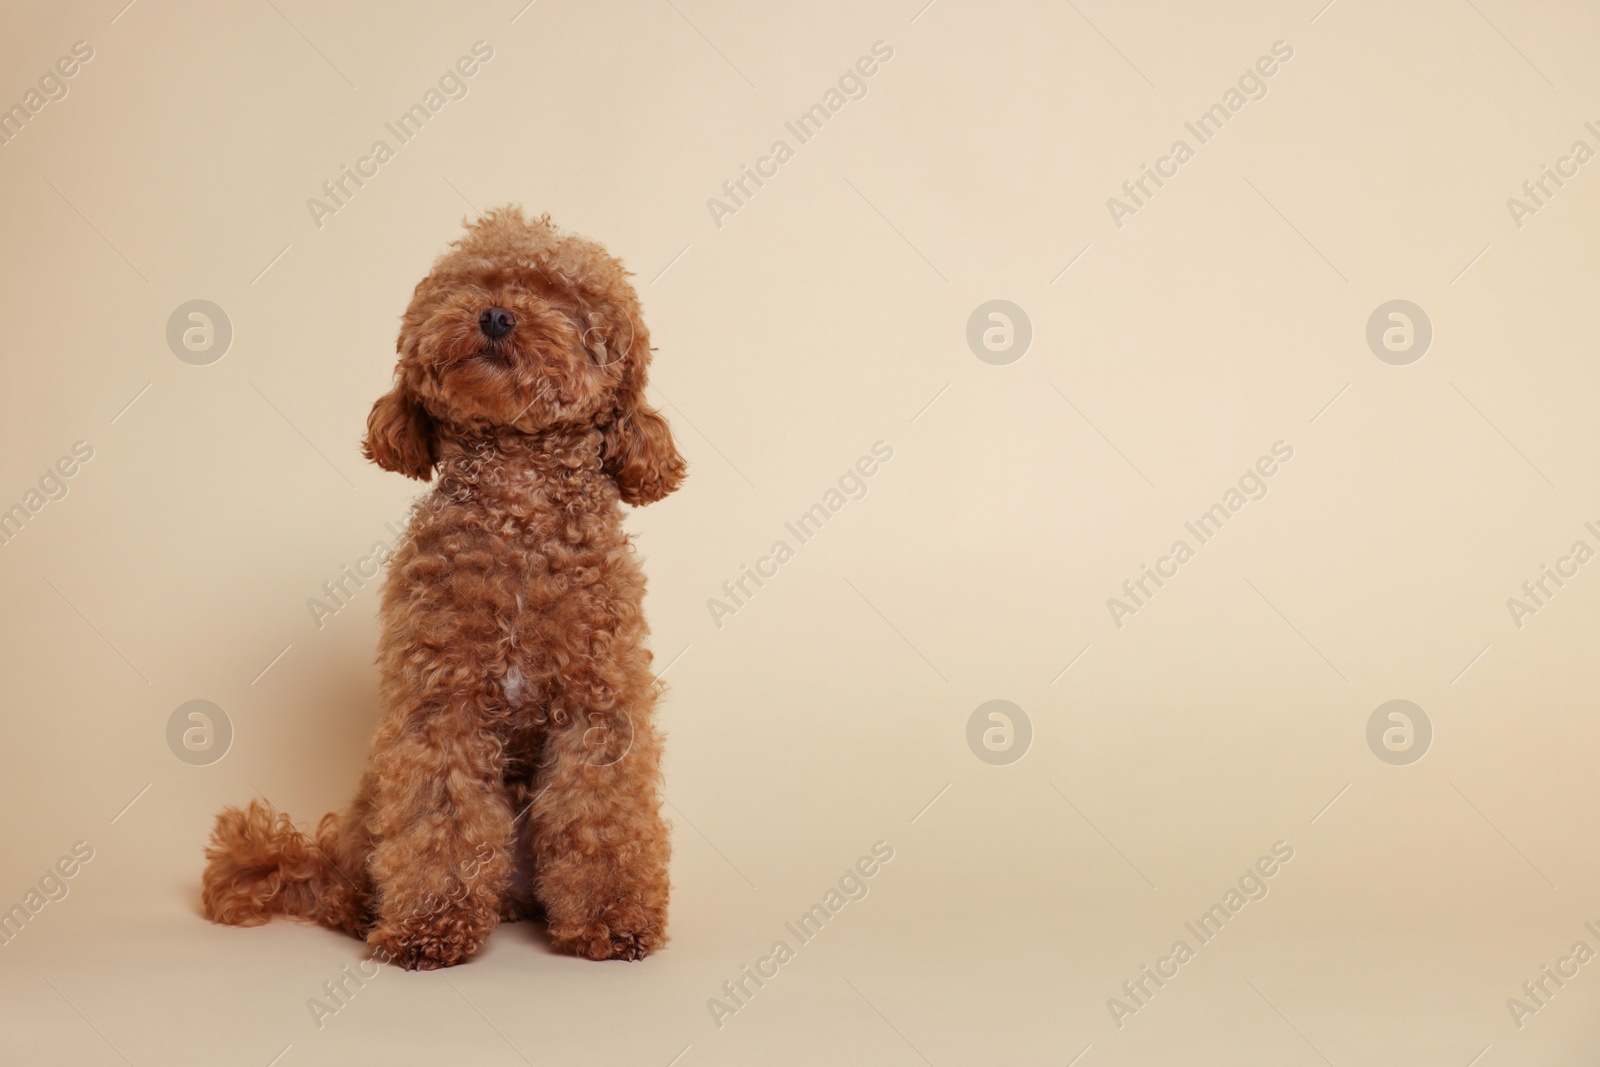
(401, 436)
(639, 452)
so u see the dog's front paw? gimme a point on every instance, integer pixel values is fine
(427, 943)
(603, 941)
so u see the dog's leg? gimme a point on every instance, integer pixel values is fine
(441, 834)
(600, 845)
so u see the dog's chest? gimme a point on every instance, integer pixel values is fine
(514, 687)
(550, 591)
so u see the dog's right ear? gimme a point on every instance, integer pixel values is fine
(401, 436)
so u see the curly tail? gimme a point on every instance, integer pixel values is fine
(259, 865)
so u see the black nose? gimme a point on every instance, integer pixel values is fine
(496, 323)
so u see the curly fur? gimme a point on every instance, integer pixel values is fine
(515, 770)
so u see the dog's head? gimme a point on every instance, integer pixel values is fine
(520, 327)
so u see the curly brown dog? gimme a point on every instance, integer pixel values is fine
(515, 768)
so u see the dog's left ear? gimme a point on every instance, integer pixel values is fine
(639, 452)
(401, 436)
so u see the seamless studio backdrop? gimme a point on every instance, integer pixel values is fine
(1211, 386)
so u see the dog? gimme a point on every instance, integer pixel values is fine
(515, 771)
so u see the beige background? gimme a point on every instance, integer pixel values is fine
(828, 313)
